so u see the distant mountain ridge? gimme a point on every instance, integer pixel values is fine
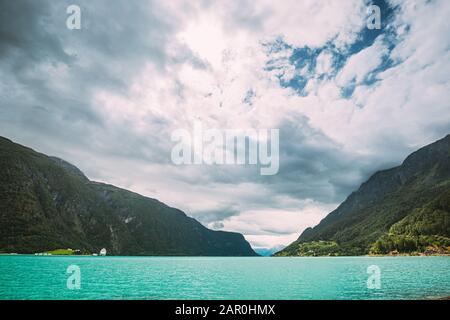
(266, 252)
(46, 203)
(405, 209)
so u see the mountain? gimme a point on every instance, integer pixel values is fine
(46, 204)
(405, 209)
(267, 252)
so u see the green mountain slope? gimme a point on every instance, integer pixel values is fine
(404, 209)
(47, 203)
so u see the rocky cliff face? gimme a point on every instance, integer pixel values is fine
(47, 203)
(388, 199)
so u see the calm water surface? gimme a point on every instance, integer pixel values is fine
(41, 277)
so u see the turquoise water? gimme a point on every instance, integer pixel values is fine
(41, 277)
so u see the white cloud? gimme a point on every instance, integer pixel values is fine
(313, 23)
(324, 63)
(361, 64)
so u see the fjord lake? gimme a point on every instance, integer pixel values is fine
(46, 277)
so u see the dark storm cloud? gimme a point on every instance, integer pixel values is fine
(126, 32)
(114, 43)
(312, 166)
(217, 214)
(24, 33)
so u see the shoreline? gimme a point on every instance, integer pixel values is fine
(365, 255)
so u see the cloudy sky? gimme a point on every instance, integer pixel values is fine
(347, 100)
